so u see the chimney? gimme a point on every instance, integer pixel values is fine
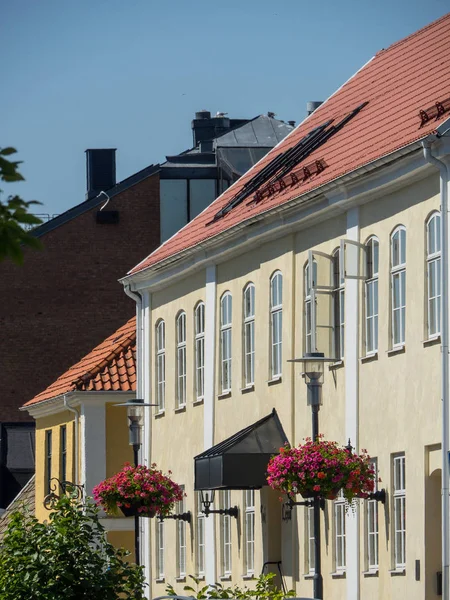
(205, 128)
(312, 105)
(100, 170)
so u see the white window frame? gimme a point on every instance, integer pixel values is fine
(434, 273)
(225, 535)
(399, 510)
(338, 311)
(181, 360)
(181, 539)
(249, 532)
(249, 335)
(160, 551)
(398, 274)
(310, 540)
(276, 325)
(372, 533)
(200, 531)
(340, 559)
(371, 296)
(308, 309)
(199, 328)
(226, 315)
(160, 339)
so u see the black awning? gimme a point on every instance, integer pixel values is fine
(240, 462)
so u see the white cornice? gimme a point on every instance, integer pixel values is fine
(55, 405)
(384, 175)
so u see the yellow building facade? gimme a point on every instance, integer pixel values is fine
(351, 268)
(81, 436)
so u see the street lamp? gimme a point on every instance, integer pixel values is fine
(314, 364)
(135, 414)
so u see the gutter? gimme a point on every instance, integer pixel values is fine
(76, 441)
(445, 250)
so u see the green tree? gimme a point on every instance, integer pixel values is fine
(14, 214)
(66, 558)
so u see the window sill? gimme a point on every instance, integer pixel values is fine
(397, 350)
(336, 365)
(198, 402)
(274, 381)
(224, 395)
(338, 575)
(225, 578)
(160, 580)
(248, 388)
(181, 579)
(369, 357)
(399, 571)
(180, 409)
(200, 577)
(308, 576)
(160, 414)
(248, 576)
(432, 341)
(370, 573)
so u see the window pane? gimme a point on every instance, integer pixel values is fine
(375, 248)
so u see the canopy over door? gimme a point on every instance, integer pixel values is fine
(240, 462)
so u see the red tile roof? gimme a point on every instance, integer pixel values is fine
(397, 83)
(110, 366)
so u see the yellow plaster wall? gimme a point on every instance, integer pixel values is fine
(53, 423)
(118, 450)
(123, 539)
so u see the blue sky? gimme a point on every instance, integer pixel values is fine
(131, 74)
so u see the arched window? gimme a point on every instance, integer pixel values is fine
(434, 274)
(371, 285)
(398, 286)
(276, 324)
(225, 342)
(181, 360)
(160, 365)
(199, 319)
(338, 307)
(249, 335)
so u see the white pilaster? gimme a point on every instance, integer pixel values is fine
(145, 393)
(93, 444)
(208, 406)
(351, 362)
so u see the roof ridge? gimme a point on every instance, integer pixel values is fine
(414, 34)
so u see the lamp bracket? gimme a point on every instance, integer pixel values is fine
(73, 490)
(379, 496)
(231, 512)
(186, 517)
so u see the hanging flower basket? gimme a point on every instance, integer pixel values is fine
(140, 490)
(321, 468)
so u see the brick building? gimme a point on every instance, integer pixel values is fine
(66, 298)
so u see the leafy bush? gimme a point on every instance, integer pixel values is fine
(265, 589)
(65, 558)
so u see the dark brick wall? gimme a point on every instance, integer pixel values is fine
(66, 298)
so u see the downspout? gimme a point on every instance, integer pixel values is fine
(444, 184)
(76, 441)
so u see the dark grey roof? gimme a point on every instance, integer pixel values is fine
(93, 202)
(261, 131)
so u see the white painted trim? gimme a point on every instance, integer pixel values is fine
(145, 362)
(55, 405)
(351, 366)
(208, 406)
(117, 523)
(93, 446)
